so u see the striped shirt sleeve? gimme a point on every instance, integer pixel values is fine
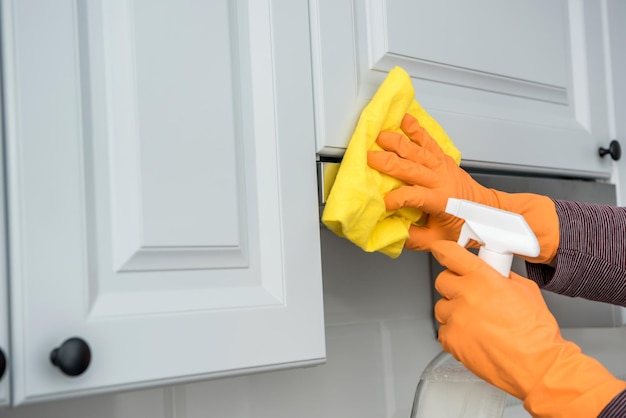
(591, 259)
(591, 263)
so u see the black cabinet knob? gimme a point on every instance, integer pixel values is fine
(72, 357)
(3, 363)
(614, 149)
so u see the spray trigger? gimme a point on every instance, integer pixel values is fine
(499, 233)
(467, 234)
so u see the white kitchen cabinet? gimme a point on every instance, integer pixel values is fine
(517, 85)
(161, 191)
(616, 15)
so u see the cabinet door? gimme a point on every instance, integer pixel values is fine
(515, 83)
(162, 191)
(616, 15)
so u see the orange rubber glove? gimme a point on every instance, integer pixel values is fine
(501, 330)
(433, 177)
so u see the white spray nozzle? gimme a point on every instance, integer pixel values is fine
(500, 233)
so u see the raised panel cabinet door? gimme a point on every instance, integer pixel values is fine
(521, 84)
(162, 192)
(617, 33)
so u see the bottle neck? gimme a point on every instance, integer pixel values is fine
(501, 262)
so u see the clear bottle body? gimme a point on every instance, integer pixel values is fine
(448, 390)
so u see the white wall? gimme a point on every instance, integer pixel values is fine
(379, 337)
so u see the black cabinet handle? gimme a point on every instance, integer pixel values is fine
(614, 149)
(72, 357)
(3, 363)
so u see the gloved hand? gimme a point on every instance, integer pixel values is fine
(500, 329)
(433, 177)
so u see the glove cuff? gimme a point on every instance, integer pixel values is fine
(575, 386)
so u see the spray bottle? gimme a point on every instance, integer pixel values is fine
(447, 388)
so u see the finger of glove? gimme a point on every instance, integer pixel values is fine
(406, 170)
(416, 197)
(412, 128)
(443, 310)
(444, 337)
(449, 284)
(398, 143)
(421, 237)
(456, 258)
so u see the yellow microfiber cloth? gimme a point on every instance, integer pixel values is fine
(355, 208)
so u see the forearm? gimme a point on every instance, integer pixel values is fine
(591, 258)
